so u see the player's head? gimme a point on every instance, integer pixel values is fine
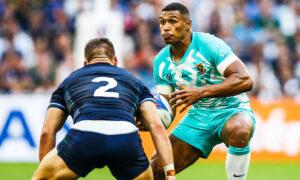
(175, 23)
(99, 50)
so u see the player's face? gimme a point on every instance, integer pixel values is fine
(173, 26)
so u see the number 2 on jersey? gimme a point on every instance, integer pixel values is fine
(103, 90)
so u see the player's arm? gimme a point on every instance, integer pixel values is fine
(237, 81)
(54, 121)
(159, 135)
(140, 121)
(55, 118)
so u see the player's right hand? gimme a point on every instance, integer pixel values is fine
(185, 97)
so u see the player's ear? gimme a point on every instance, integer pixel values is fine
(115, 61)
(189, 23)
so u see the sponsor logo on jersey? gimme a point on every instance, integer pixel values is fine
(183, 74)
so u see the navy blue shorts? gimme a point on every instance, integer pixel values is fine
(85, 151)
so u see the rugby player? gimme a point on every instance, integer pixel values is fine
(103, 101)
(200, 70)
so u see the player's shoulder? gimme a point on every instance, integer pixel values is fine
(204, 37)
(207, 42)
(125, 74)
(162, 55)
(73, 75)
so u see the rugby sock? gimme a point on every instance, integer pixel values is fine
(237, 162)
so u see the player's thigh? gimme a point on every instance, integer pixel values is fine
(239, 127)
(147, 174)
(183, 153)
(127, 159)
(53, 167)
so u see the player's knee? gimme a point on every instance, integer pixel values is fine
(238, 133)
(239, 136)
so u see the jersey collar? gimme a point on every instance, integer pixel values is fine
(99, 64)
(182, 60)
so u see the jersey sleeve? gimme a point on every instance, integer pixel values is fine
(58, 101)
(146, 95)
(162, 85)
(221, 54)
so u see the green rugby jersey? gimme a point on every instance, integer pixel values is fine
(203, 63)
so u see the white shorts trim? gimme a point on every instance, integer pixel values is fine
(105, 127)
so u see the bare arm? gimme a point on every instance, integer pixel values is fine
(158, 133)
(237, 81)
(55, 119)
(139, 118)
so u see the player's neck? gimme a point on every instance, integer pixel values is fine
(100, 60)
(178, 50)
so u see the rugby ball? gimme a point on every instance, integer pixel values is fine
(164, 110)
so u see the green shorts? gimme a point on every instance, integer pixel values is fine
(202, 128)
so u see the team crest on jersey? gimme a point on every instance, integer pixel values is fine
(200, 67)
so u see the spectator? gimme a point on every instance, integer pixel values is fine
(264, 33)
(43, 74)
(15, 38)
(13, 75)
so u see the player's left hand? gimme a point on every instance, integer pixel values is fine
(186, 96)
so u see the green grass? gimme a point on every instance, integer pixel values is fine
(200, 170)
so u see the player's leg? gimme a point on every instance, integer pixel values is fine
(184, 155)
(126, 158)
(236, 134)
(76, 155)
(53, 167)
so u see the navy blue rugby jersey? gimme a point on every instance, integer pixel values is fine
(100, 92)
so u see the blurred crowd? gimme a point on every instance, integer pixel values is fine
(36, 40)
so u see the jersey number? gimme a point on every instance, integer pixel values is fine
(102, 91)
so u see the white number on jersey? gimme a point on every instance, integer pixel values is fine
(102, 91)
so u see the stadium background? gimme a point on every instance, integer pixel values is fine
(41, 42)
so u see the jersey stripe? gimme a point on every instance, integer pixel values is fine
(147, 99)
(161, 68)
(105, 127)
(56, 104)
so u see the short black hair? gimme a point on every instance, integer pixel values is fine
(177, 7)
(99, 47)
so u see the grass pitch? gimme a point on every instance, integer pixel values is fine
(200, 170)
